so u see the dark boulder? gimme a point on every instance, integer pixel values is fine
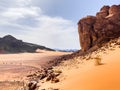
(32, 85)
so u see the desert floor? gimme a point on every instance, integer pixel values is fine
(77, 73)
(15, 67)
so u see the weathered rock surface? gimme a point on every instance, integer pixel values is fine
(96, 30)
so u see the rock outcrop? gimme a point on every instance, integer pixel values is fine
(10, 44)
(96, 30)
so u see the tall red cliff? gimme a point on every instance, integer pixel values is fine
(95, 30)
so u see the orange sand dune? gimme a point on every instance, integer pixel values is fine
(90, 77)
(84, 75)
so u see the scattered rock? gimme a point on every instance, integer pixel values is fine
(57, 71)
(47, 75)
(52, 89)
(32, 85)
(32, 75)
(48, 78)
(42, 76)
(55, 80)
(52, 76)
(50, 71)
(97, 61)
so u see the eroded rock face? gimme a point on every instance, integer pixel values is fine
(94, 30)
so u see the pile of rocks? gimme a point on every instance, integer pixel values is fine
(44, 75)
(50, 75)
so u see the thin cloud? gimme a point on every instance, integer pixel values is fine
(29, 23)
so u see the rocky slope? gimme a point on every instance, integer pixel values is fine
(100, 46)
(94, 71)
(10, 44)
(96, 30)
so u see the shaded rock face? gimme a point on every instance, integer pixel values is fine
(10, 44)
(95, 30)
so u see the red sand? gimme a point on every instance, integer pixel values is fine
(18, 66)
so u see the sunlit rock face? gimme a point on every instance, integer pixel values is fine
(99, 29)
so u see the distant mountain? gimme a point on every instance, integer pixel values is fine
(66, 50)
(9, 44)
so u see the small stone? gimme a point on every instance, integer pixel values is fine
(55, 80)
(32, 85)
(48, 78)
(42, 76)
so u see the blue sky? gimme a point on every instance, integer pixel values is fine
(52, 23)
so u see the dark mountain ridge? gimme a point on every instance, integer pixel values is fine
(9, 44)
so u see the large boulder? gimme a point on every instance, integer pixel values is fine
(96, 30)
(86, 32)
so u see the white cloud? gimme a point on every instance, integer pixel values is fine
(24, 2)
(21, 12)
(54, 32)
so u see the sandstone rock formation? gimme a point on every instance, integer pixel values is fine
(95, 30)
